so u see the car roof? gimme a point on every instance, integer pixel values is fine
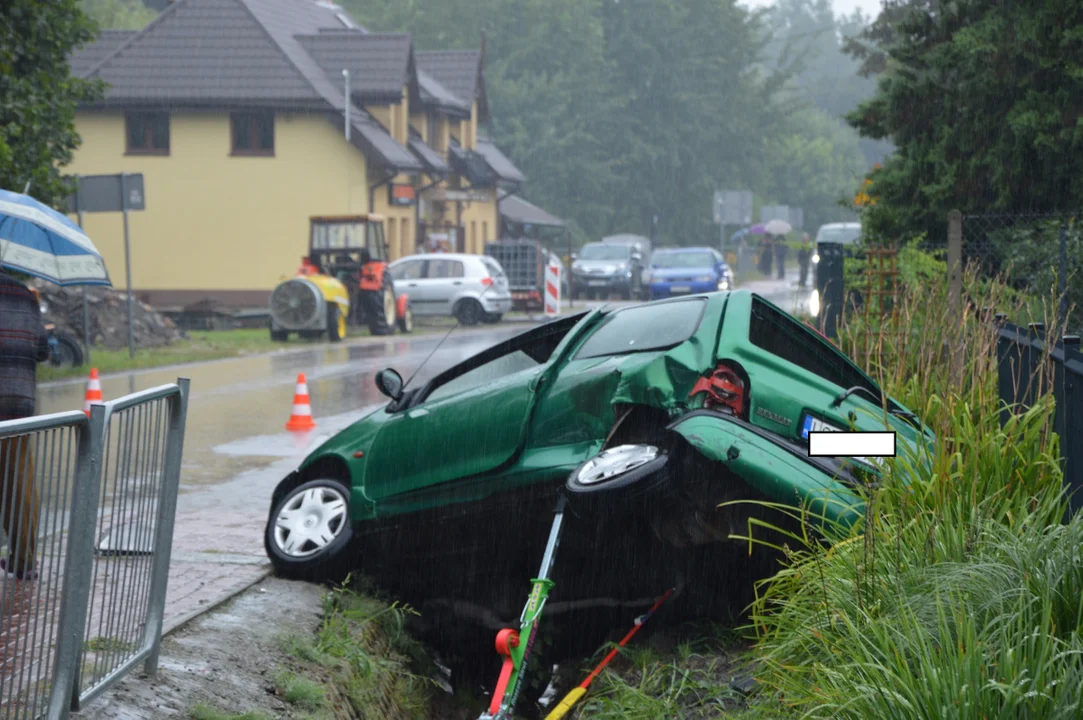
(442, 256)
(847, 225)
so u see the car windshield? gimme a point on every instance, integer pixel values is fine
(647, 327)
(689, 259)
(603, 252)
(843, 235)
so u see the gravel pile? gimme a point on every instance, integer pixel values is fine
(108, 311)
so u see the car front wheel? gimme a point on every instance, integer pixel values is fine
(308, 534)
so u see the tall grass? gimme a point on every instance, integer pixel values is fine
(961, 593)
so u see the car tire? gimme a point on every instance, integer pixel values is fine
(377, 303)
(406, 322)
(617, 476)
(326, 559)
(492, 318)
(280, 335)
(469, 312)
(336, 324)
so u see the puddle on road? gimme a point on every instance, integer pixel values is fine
(288, 444)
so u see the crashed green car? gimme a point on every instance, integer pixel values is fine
(674, 406)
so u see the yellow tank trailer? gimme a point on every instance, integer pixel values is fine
(310, 305)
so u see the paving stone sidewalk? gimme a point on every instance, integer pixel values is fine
(216, 554)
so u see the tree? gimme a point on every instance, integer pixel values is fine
(815, 164)
(982, 100)
(37, 95)
(809, 36)
(118, 14)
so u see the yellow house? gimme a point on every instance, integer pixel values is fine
(460, 212)
(236, 114)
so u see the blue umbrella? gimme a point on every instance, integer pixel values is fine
(738, 235)
(39, 241)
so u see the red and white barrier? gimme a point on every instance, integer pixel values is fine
(552, 290)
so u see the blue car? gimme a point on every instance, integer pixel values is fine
(685, 271)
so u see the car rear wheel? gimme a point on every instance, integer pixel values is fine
(308, 534)
(469, 312)
(492, 318)
(279, 335)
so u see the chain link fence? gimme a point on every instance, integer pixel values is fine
(1040, 256)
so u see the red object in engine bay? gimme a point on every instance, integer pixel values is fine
(725, 390)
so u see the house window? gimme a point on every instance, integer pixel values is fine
(148, 133)
(253, 133)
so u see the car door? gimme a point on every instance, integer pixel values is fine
(407, 276)
(471, 420)
(444, 283)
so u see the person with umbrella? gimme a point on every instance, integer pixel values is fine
(804, 255)
(34, 240)
(780, 256)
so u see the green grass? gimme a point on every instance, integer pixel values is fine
(102, 644)
(301, 691)
(205, 712)
(961, 594)
(201, 346)
(363, 657)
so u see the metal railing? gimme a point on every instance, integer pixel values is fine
(1029, 364)
(90, 503)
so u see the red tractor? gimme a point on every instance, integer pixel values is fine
(347, 259)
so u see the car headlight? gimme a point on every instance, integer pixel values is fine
(43, 306)
(815, 258)
(703, 278)
(723, 284)
(609, 269)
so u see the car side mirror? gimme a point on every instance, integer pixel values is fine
(389, 382)
(636, 257)
(575, 256)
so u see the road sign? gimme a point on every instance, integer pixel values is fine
(104, 193)
(775, 212)
(732, 207)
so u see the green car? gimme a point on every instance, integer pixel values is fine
(660, 411)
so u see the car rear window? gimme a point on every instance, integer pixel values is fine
(781, 335)
(643, 328)
(494, 269)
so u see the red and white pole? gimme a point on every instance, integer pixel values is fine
(552, 290)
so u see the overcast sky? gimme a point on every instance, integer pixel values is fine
(842, 7)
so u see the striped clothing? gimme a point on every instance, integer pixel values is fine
(23, 344)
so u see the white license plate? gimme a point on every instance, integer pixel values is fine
(680, 288)
(596, 283)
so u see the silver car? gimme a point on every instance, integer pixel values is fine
(472, 288)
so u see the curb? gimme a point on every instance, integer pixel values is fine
(238, 589)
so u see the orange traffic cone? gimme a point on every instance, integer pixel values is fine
(93, 391)
(301, 417)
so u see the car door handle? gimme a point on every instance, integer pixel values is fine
(457, 282)
(412, 285)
